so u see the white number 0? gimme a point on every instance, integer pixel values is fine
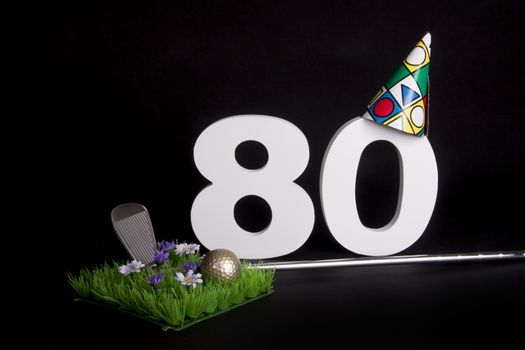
(293, 215)
(417, 189)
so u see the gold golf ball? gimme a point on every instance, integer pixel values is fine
(221, 264)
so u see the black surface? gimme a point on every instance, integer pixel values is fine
(411, 306)
(115, 95)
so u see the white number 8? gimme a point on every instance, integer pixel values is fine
(212, 213)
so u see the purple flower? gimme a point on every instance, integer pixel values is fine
(160, 257)
(190, 266)
(155, 279)
(164, 245)
(132, 267)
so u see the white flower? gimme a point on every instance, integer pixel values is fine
(132, 267)
(185, 248)
(190, 279)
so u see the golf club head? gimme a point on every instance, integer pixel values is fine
(133, 226)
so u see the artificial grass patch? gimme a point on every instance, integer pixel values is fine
(165, 300)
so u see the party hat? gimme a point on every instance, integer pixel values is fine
(402, 103)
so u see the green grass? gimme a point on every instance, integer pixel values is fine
(169, 303)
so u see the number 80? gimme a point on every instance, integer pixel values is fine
(293, 216)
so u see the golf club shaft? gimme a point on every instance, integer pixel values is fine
(394, 260)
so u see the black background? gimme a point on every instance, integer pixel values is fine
(119, 93)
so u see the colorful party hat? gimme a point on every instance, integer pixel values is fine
(402, 103)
